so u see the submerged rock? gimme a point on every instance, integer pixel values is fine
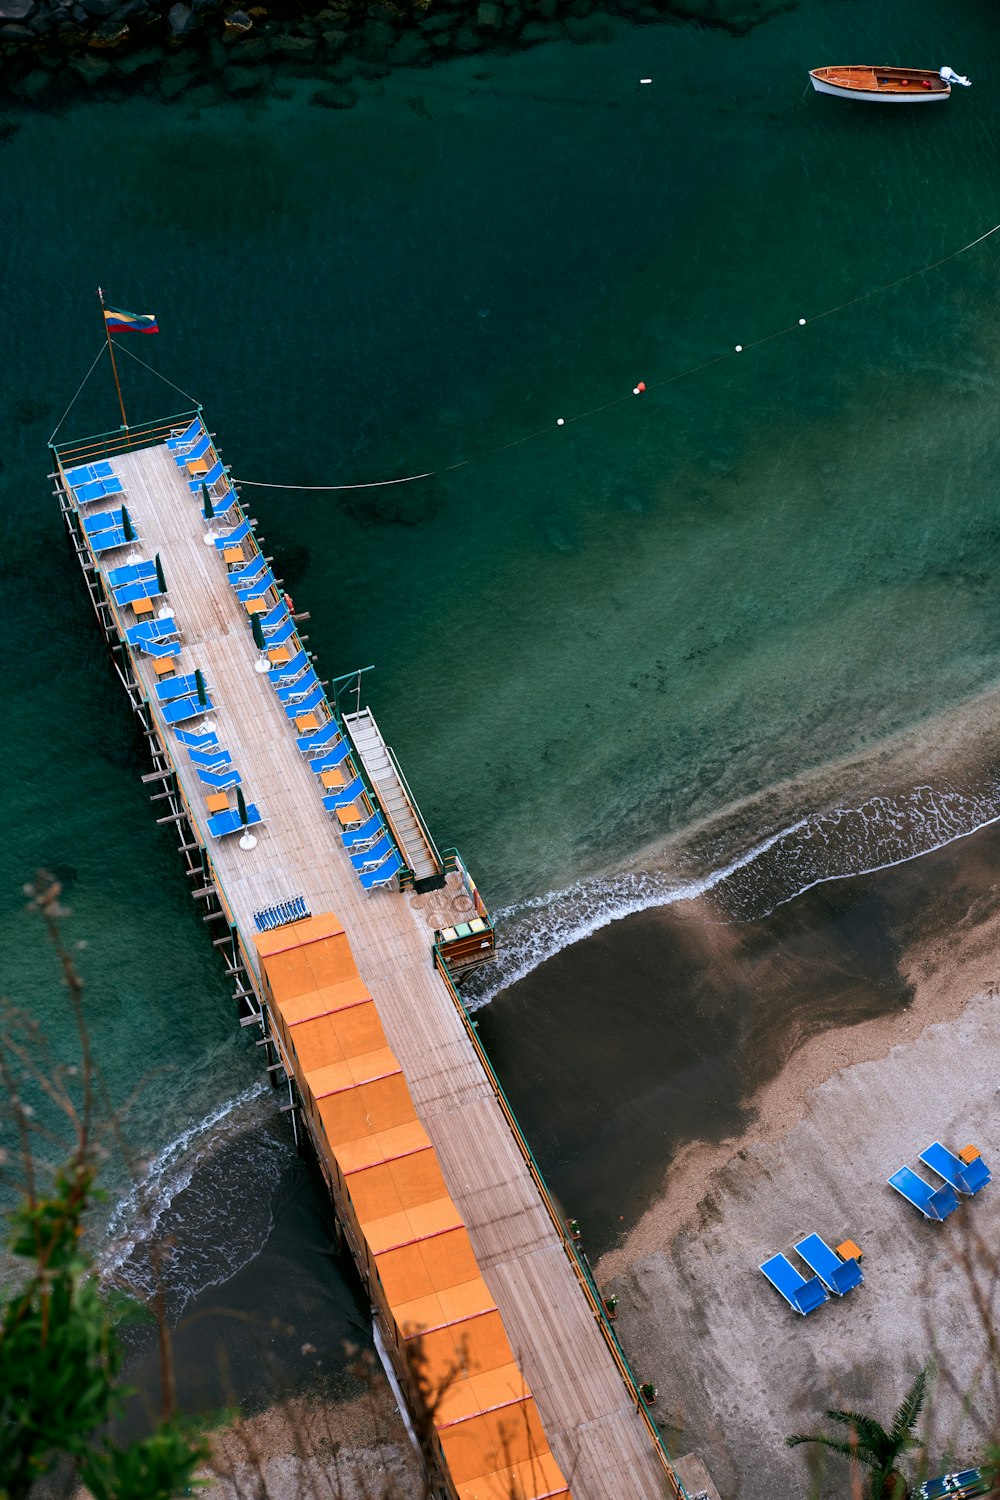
(337, 96)
(16, 10)
(239, 83)
(238, 20)
(179, 19)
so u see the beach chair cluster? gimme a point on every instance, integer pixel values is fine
(296, 685)
(194, 453)
(280, 914)
(215, 770)
(961, 1486)
(159, 639)
(106, 530)
(135, 583)
(961, 1175)
(833, 1271)
(93, 482)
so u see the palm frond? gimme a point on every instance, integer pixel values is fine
(869, 1433)
(849, 1450)
(909, 1410)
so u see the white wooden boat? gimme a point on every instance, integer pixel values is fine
(886, 85)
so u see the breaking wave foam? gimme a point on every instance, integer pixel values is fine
(881, 832)
(208, 1192)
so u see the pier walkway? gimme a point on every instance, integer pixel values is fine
(595, 1429)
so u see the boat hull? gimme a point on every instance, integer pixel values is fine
(878, 96)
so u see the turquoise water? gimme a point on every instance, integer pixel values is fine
(589, 640)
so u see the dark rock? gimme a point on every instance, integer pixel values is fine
(489, 15)
(203, 5)
(109, 34)
(240, 83)
(172, 85)
(179, 19)
(253, 49)
(377, 38)
(337, 96)
(128, 10)
(91, 69)
(14, 32)
(334, 40)
(441, 20)
(297, 48)
(410, 48)
(204, 96)
(541, 31)
(238, 20)
(370, 70)
(100, 7)
(16, 10)
(466, 40)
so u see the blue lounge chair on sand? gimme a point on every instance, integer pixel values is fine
(332, 759)
(837, 1275)
(234, 538)
(179, 688)
(962, 1486)
(219, 780)
(190, 455)
(800, 1294)
(318, 739)
(386, 871)
(367, 859)
(289, 670)
(964, 1177)
(356, 838)
(229, 821)
(305, 705)
(292, 692)
(180, 442)
(213, 758)
(345, 796)
(185, 708)
(198, 741)
(211, 476)
(933, 1203)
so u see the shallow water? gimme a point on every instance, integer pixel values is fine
(586, 642)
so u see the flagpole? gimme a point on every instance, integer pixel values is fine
(114, 367)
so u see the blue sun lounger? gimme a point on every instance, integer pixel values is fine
(229, 821)
(305, 705)
(219, 780)
(287, 671)
(332, 759)
(234, 538)
(179, 688)
(282, 633)
(249, 573)
(212, 758)
(185, 708)
(154, 648)
(109, 541)
(345, 796)
(802, 1295)
(259, 589)
(104, 520)
(151, 630)
(180, 442)
(367, 859)
(191, 455)
(211, 476)
(383, 874)
(98, 489)
(318, 739)
(962, 1176)
(198, 741)
(357, 838)
(145, 588)
(962, 1486)
(293, 692)
(84, 472)
(933, 1203)
(837, 1275)
(131, 573)
(223, 504)
(275, 616)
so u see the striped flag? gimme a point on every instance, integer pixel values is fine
(126, 322)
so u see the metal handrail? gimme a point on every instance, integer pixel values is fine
(454, 861)
(416, 807)
(122, 437)
(581, 1268)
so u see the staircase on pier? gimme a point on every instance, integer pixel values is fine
(387, 780)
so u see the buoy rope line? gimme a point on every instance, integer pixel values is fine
(593, 411)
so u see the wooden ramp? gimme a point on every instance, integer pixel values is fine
(589, 1413)
(401, 812)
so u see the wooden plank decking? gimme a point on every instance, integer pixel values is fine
(594, 1431)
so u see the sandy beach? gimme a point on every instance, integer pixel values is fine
(737, 1370)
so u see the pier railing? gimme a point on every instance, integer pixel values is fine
(578, 1261)
(122, 439)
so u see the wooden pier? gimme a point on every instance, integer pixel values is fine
(598, 1429)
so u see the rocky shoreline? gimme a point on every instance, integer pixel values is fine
(204, 51)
